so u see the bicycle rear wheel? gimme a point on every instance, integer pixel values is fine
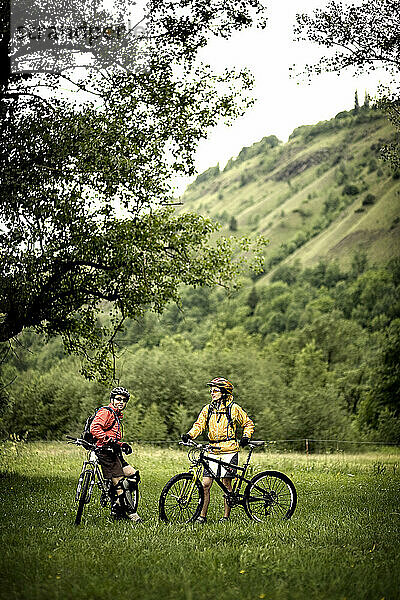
(270, 495)
(181, 499)
(83, 497)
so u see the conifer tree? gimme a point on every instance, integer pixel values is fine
(252, 299)
(356, 103)
(233, 224)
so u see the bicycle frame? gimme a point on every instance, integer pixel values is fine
(233, 497)
(91, 466)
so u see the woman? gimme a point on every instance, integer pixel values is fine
(221, 417)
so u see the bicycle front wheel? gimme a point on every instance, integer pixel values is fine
(83, 497)
(181, 499)
(270, 495)
(132, 496)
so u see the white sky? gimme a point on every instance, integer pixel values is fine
(282, 103)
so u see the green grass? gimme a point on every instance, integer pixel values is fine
(342, 541)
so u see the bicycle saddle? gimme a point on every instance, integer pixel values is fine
(256, 443)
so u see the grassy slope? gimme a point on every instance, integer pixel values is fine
(342, 541)
(281, 191)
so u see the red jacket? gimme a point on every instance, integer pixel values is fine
(102, 421)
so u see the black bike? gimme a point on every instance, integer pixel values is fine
(268, 495)
(91, 474)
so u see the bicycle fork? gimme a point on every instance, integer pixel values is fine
(187, 490)
(86, 469)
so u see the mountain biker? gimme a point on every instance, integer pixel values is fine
(106, 428)
(221, 418)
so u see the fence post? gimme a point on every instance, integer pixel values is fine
(306, 446)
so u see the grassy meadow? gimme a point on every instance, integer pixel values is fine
(342, 541)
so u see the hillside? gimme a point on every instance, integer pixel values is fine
(324, 194)
(313, 352)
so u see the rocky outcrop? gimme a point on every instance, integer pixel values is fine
(299, 165)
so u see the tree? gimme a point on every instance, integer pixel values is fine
(152, 427)
(373, 296)
(43, 37)
(359, 263)
(287, 273)
(87, 234)
(317, 410)
(364, 37)
(252, 299)
(233, 224)
(356, 103)
(49, 404)
(380, 408)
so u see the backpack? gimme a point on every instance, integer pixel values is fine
(228, 415)
(86, 435)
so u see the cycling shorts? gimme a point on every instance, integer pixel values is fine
(218, 470)
(111, 464)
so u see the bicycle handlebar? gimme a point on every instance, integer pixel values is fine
(80, 442)
(252, 445)
(192, 444)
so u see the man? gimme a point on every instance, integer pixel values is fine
(221, 417)
(106, 428)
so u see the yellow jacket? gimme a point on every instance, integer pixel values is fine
(220, 430)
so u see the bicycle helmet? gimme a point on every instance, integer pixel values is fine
(222, 383)
(119, 391)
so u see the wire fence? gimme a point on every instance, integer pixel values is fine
(307, 445)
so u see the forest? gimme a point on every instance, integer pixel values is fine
(313, 354)
(310, 340)
(279, 270)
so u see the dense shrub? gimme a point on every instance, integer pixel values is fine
(369, 199)
(350, 190)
